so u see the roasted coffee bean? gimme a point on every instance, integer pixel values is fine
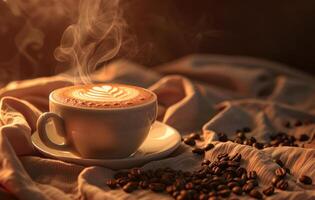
(241, 135)
(252, 175)
(280, 172)
(212, 194)
(189, 141)
(253, 140)
(237, 190)
(198, 151)
(194, 136)
(121, 174)
(233, 184)
(256, 194)
(298, 123)
(267, 145)
(224, 193)
(248, 187)
(279, 162)
(136, 171)
(222, 155)
(287, 124)
(157, 187)
(282, 184)
(236, 157)
(144, 184)
(240, 171)
(189, 186)
(222, 187)
(304, 138)
(269, 191)
(205, 162)
(208, 147)
(122, 181)
(258, 145)
(238, 140)
(222, 137)
(252, 181)
(246, 129)
(203, 196)
(275, 180)
(288, 170)
(111, 183)
(130, 187)
(306, 180)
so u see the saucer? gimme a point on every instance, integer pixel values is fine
(161, 141)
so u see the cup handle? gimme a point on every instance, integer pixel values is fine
(41, 128)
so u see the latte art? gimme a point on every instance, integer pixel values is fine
(103, 96)
(106, 93)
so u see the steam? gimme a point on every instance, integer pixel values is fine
(95, 39)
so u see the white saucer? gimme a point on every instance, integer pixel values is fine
(161, 141)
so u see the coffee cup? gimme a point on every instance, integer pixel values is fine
(99, 120)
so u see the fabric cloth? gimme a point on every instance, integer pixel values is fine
(212, 93)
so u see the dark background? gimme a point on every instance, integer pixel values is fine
(163, 30)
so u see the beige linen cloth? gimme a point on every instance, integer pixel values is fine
(211, 93)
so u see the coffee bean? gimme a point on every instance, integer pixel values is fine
(240, 134)
(246, 129)
(194, 136)
(232, 184)
(267, 145)
(298, 123)
(306, 180)
(189, 186)
(222, 137)
(236, 157)
(136, 171)
(269, 191)
(198, 151)
(203, 196)
(208, 147)
(238, 140)
(205, 162)
(240, 171)
(237, 190)
(222, 155)
(252, 181)
(222, 187)
(189, 141)
(130, 187)
(258, 145)
(224, 193)
(111, 183)
(252, 175)
(282, 184)
(248, 187)
(279, 162)
(256, 194)
(287, 124)
(144, 184)
(304, 138)
(122, 181)
(287, 170)
(280, 172)
(275, 180)
(157, 187)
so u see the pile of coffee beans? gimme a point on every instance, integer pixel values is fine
(213, 180)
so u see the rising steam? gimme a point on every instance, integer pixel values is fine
(95, 39)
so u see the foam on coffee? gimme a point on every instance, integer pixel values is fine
(103, 96)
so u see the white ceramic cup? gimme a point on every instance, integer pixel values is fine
(98, 133)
